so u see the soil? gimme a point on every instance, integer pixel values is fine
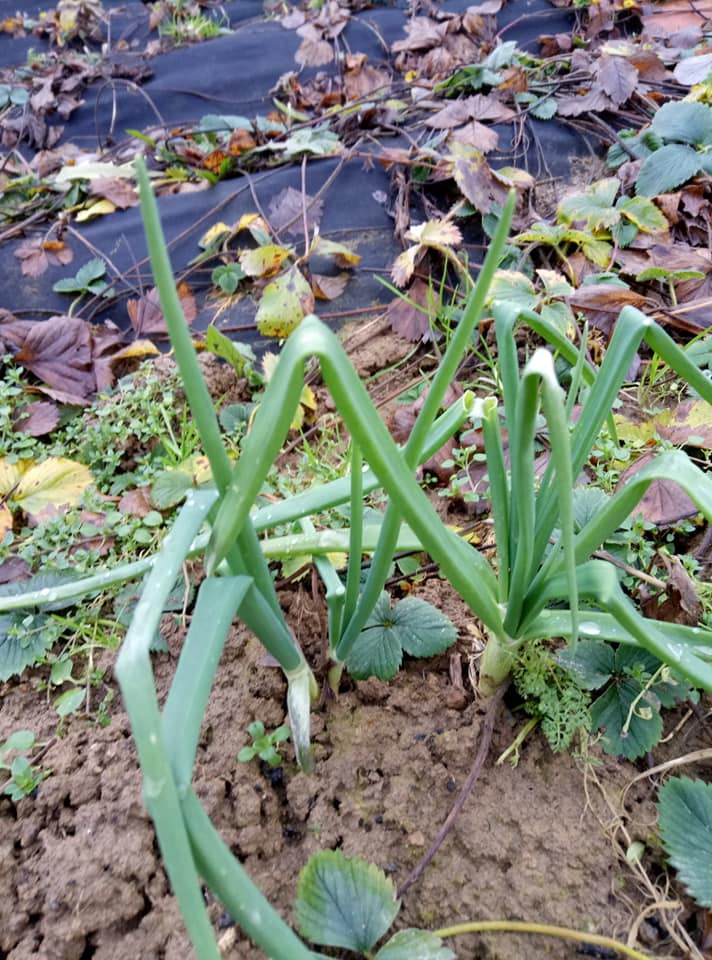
(80, 872)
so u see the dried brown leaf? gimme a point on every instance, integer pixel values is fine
(410, 315)
(617, 76)
(313, 51)
(38, 419)
(664, 502)
(59, 351)
(476, 134)
(116, 189)
(473, 176)
(146, 314)
(37, 254)
(328, 288)
(286, 211)
(595, 101)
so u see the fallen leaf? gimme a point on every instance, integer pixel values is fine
(37, 254)
(264, 261)
(328, 288)
(40, 490)
(137, 502)
(120, 192)
(476, 134)
(361, 79)
(37, 419)
(473, 176)
(342, 255)
(240, 142)
(313, 51)
(664, 502)
(284, 304)
(681, 603)
(411, 315)
(93, 210)
(286, 211)
(618, 77)
(147, 317)
(58, 351)
(689, 424)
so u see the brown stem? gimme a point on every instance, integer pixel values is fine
(482, 750)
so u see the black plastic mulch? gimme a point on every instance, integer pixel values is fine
(235, 74)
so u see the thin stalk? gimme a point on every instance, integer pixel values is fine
(249, 558)
(542, 929)
(236, 891)
(462, 337)
(467, 569)
(499, 492)
(335, 592)
(521, 451)
(353, 575)
(219, 599)
(447, 368)
(135, 676)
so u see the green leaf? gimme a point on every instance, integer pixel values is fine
(376, 653)
(591, 662)
(612, 711)
(595, 208)
(588, 503)
(643, 213)
(667, 168)
(421, 628)
(685, 811)
(21, 647)
(238, 355)
(414, 945)
(513, 287)
(20, 740)
(543, 109)
(69, 701)
(169, 488)
(687, 122)
(412, 625)
(343, 902)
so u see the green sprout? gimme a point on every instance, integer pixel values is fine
(264, 745)
(24, 778)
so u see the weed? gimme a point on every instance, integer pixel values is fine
(89, 281)
(264, 745)
(551, 694)
(23, 778)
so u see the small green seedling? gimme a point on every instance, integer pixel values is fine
(264, 745)
(89, 281)
(24, 778)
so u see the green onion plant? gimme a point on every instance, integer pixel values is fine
(543, 582)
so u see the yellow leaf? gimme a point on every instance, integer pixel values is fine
(264, 261)
(54, 483)
(284, 304)
(248, 221)
(439, 233)
(343, 256)
(214, 235)
(10, 475)
(404, 265)
(307, 398)
(98, 209)
(5, 520)
(139, 348)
